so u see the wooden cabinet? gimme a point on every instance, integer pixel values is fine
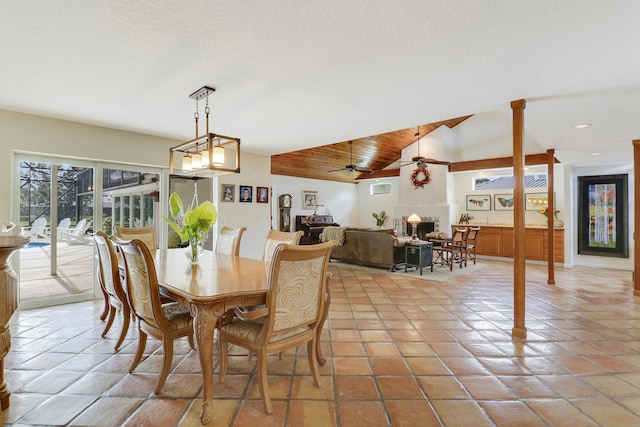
(498, 241)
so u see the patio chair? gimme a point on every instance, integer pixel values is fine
(78, 234)
(37, 230)
(292, 314)
(64, 226)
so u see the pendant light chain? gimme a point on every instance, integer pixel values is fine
(196, 116)
(206, 111)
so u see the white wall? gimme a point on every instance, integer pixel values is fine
(370, 203)
(254, 172)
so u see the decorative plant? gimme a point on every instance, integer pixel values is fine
(193, 225)
(545, 211)
(380, 218)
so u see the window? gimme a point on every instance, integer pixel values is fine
(380, 188)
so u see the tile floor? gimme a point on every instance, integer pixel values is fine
(402, 352)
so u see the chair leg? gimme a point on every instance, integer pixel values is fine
(112, 315)
(126, 318)
(313, 361)
(167, 346)
(262, 381)
(142, 343)
(105, 311)
(223, 352)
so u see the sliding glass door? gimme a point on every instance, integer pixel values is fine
(58, 266)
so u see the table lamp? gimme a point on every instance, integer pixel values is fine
(414, 220)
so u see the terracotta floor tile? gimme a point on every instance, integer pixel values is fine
(427, 366)
(443, 388)
(528, 387)
(312, 413)
(462, 413)
(158, 413)
(560, 413)
(399, 388)
(349, 388)
(607, 412)
(389, 366)
(107, 412)
(352, 366)
(362, 414)
(486, 388)
(411, 413)
(512, 413)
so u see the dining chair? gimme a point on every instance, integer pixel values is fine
(453, 251)
(470, 244)
(146, 234)
(109, 279)
(166, 322)
(291, 315)
(229, 240)
(275, 237)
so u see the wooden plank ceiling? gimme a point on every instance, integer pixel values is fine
(328, 162)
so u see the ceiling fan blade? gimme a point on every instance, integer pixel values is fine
(363, 170)
(434, 161)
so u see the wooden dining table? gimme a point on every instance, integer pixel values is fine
(216, 284)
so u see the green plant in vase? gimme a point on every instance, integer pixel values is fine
(380, 218)
(192, 225)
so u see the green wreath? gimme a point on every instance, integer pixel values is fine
(417, 181)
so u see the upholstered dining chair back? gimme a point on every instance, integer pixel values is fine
(111, 284)
(275, 237)
(229, 240)
(166, 322)
(146, 234)
(296, 290)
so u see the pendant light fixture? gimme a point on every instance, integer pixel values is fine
(207, 155)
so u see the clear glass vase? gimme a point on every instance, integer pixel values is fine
(194, 251)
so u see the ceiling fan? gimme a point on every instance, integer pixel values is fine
(351, 167)
(420, 161)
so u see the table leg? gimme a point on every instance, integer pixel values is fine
(205, 317)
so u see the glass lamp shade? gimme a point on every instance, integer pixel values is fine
(205, 158)
(196, 161)
(187, 164)
(218, 156)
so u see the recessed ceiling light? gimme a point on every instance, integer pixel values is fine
(582, 126)
(595, 153)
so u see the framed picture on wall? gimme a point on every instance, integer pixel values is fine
(227, 192)
(263, 195)
(246, 194)
(537, 201)
(503, 202)
(603, 215)
(479, 202)
(309, 199)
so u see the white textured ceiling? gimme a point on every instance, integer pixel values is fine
(292, 74)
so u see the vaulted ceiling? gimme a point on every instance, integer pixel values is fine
(376, 152)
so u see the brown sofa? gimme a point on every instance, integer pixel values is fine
(377, 248)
